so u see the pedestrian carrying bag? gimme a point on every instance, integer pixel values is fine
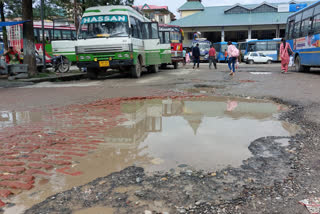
(290, 52)
(234, 52)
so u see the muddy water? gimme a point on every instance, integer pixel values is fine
(206, 133)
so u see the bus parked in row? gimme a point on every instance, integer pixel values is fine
(118, 37)
(303, 35)
(221, 48)
(174, 35)
(269, 48)
(51, 32)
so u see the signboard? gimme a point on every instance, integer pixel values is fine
(307, 42)
(171, 29)
(282, 8)
(297, 7)
(106, 18)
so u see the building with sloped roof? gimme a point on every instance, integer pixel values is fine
(161, 14)
(237, 22)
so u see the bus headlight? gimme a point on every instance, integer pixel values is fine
(88, 57)
(206, 56)
(81, 57)
(120, 55)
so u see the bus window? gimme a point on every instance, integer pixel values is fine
(317, 9)
(36, 35)
(166, 37)
(316, 24)
(161, 37)
(306, 26)
(296, 31)
(66, 34)
(57, 34)
(73, 34)
(145, 31)
(175, 36)
(261, 46)
(291, 28)
(139, 25)
(134, 27)
(272, 46)
(46, 36)
(308, 13)
(154, 31)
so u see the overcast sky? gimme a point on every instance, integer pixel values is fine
(175, 4)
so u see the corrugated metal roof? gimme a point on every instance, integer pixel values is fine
(191, 5)
(215, 16)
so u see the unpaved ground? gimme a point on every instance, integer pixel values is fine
(273, 180)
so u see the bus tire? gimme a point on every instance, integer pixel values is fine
(297, 62)
(92, 74)
(136, 69)
(175, 65)
(163, 66)
(153, 68)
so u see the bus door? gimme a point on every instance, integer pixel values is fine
(63, 39)
(150, 32)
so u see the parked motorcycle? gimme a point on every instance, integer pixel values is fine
(60, 64)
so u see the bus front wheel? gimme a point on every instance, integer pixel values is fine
(136, 70)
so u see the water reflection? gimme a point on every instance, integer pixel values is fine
(206, 134)
(13, 118)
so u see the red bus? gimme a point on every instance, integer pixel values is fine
(176, 38)
(52, 31)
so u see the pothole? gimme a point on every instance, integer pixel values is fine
(209, 133)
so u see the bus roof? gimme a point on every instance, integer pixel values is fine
(116, 10)
(165, 25)
(224, 43)
(306, 8)
(264, 40)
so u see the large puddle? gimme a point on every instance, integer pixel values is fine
(203, 133)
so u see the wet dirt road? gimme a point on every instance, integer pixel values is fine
(195, 141)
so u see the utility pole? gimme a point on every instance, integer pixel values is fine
(43, 34)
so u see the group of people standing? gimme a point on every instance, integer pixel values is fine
(233, 54)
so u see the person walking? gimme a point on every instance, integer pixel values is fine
(188, 56)
(285, 53)
(233, 54)
(225, 55)
(196, 56)
(212, 57)
(184, 52)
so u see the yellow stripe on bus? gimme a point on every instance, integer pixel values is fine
(311, 52)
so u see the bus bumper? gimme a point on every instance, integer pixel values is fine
(177, 59)
(112, 64)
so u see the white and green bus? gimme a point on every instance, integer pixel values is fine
(117, 37)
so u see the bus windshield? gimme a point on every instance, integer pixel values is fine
(104, 26)
(203, 46)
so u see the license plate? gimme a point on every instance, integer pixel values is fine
(104, 63)
(201, 58)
